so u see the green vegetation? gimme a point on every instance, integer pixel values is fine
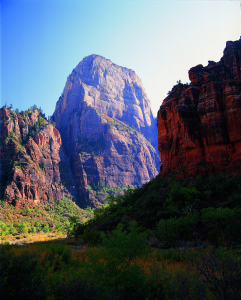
(122, 267)
(177, 212)
(104, 190)
(194, 226)
(37, 126)
(22, 117)
(178, 89)
(53, 216)
(169, 239)
(119, 125)
(91, 146)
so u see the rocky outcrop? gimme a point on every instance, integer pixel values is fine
(199, 124)
(107, 127)
(34, 167)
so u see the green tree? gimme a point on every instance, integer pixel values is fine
(22, 228)
(125, 245)
(181, 200)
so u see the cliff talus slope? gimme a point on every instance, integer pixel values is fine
(199, 125)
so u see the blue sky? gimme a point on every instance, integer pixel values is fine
(43, 40)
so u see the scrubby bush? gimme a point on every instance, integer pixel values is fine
(21, 276)
(79, 288)
(128, 244)
(180, 200)
(171, 232)
(223, 275)
(21, 228)
(118, 270)
(223, 223)
(6, 228)
(91, 236)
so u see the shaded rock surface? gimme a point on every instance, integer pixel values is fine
(199, 125)
(34, 166)
(107, 127)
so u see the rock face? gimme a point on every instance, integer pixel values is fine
(34, 166)
(199, 125)
(107, 127)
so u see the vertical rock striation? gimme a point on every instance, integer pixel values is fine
(34, 166)
(107, 127)
(199, 125)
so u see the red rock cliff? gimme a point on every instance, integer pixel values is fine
(34, 167)
(199, 125)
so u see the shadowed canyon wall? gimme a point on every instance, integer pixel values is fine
(199, 124)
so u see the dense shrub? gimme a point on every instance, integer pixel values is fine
(91, 237)
(223, 223)
(223, 275)
(21, 276)
(180, 200)
(124, 269)
(174, 230)
(204, 208)
(79, 288)
(117, 269)
(54, 216)
(128, 244)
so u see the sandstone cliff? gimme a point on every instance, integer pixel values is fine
(107, 127)
(34, 166)
(199, 125)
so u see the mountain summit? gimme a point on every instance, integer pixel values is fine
(107, 127)
(113, 90)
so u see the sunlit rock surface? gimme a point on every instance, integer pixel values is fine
(107, 127)
(199, 125)
(34, 167)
